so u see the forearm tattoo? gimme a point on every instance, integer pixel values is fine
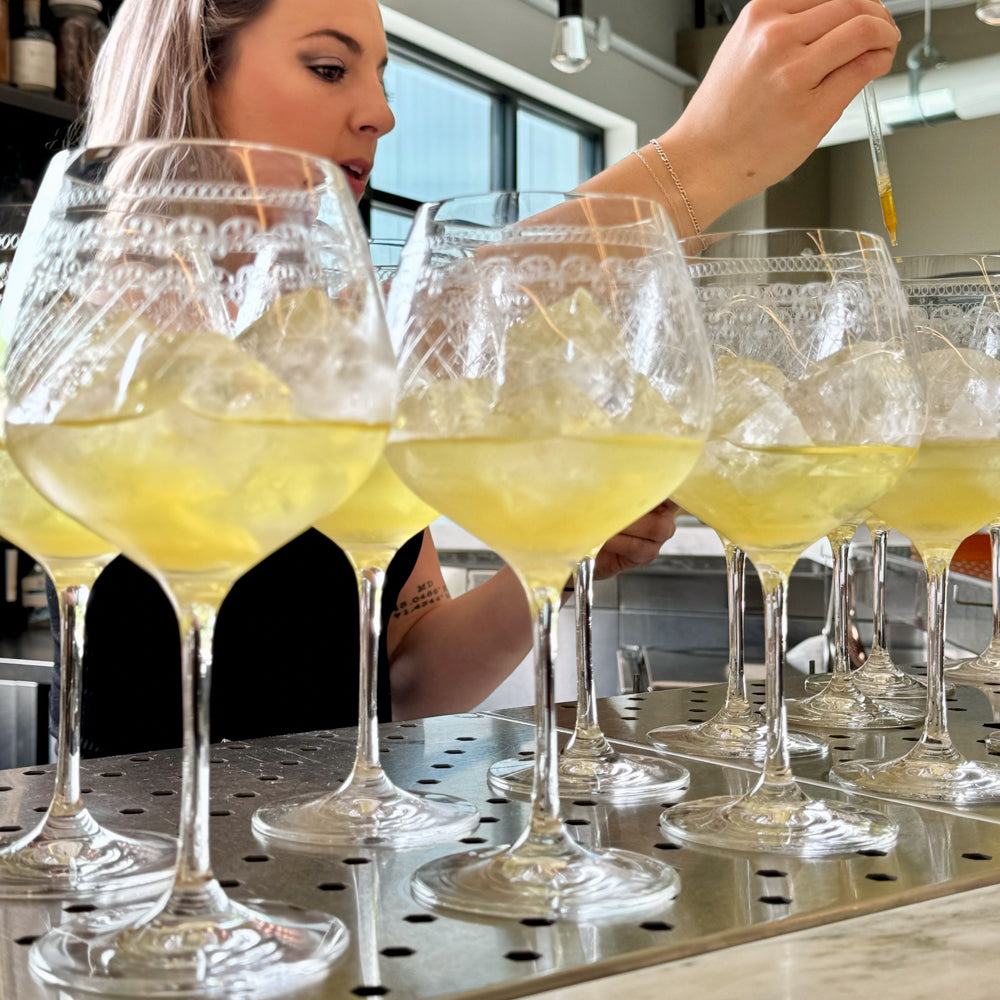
(427, 593)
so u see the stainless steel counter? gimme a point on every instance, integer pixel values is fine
(399, 948)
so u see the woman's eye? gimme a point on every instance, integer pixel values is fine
(332, 74)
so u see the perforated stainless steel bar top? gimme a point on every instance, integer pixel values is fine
(400, 949)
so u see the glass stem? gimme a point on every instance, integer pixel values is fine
(880, 536)
(587, 739)
(935, 733)
(195, 891)
(995, 578)
(777, 771)
(736, 686)
(67, 801)
(366, 759)
(841, 654)
(545, 827)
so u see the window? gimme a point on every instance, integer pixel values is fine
(457, 133)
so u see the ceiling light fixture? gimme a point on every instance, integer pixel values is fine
(569, 43)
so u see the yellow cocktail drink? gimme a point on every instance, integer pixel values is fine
(375, 520)
(774, 502)
(189, 495)
(542, 502)
(950, 491)
(29, 521)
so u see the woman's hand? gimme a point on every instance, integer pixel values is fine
(780, 80)
(639, 544)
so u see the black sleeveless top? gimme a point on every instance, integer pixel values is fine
(285, 655)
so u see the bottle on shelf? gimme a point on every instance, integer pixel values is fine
(33, 53)
(80, 36)
(4, 41)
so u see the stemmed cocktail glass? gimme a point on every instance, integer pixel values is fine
(68, 853)
(950, 491)
(809, 328)
(589, 766)
(199, 369)
(368, 808)
(555, 387)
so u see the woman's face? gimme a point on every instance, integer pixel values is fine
(307, 74)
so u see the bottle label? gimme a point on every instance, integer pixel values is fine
(33, 64)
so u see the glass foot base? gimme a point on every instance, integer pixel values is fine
(731, 740)
(983, 669)
(527, 882)
(841, 705)
(262, 948)
(60, 863)
(923, 777)
(811, 828)
(391, 818)
(616, 778)
(882, 684)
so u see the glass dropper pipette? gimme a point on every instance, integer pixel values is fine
(877, 143)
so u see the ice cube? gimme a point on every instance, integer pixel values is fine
(458, 407)
(963, 390)
(556, 407)
(750, 404)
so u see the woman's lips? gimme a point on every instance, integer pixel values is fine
(357, 173)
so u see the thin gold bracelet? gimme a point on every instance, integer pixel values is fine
(677, 182)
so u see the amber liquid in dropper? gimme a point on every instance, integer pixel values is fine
(888, 207)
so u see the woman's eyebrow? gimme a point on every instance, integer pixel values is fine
(351, 43)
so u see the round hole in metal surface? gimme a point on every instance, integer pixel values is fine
(428, 781)
(656, 925)
(27, 939)
(40, 809)
(697, 710)
(635, 697)
(584, 802)
(472, 840)
(698, 691)
(397, 951)
(454, 751)
(906, 727)
(33, 772)
(628, 718)
(871, 852)
(976, 856)
(577, 822)
(141, 758)
(220, 812)
(407, 725)
(698, 701)
(991, 725)
(881, 877)
(442, 767)
(331, 886)
(419, 918)
(86, 791)
(465, 739)
(395, 736)
(357, 861)
(79, 908)
(498, 801)
(370, 991)
(290, 763)
(838, 736)
(308, 749)
(217, 760)
(910, 739)
(6, 788)
(229, 883)
(667, 846)
(775, 900)
(10, 829)
(237, 746)
(841, 748)
(771, 873)
(957, 708)
(132, 811)
(111, 774)
(256, 858)
(523, 956)
(267, 777)
(162, 791)
(489, 819)
(538, 921)
(243, 795)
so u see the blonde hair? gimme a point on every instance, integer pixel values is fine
(155, 69)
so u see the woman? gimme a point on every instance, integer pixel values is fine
(307, 74)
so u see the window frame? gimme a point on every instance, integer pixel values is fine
(507, 101)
